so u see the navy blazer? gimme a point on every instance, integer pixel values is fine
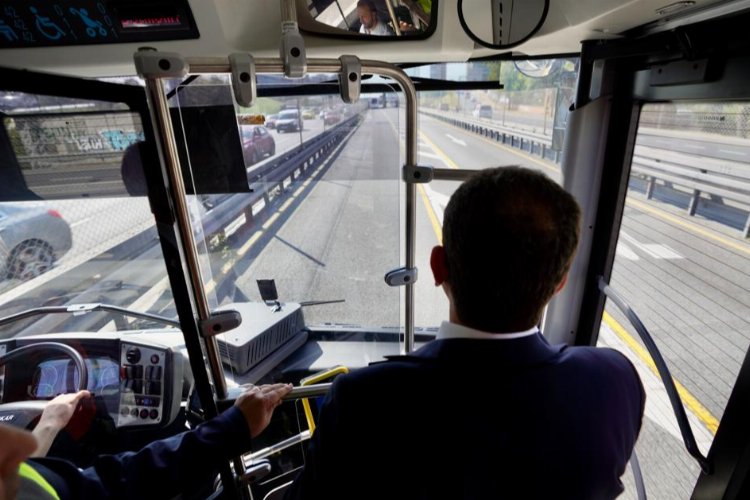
(476, 419)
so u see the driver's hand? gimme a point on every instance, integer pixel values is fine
(257, 405)
(55, 417)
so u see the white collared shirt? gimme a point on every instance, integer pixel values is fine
(380, 29)
(450, 330)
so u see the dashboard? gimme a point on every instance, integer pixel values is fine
(58, 376)
(136, 383)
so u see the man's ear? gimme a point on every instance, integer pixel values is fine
(562, 283)
(437, 263)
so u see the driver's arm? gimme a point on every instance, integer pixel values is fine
(179, 464)
(55, 418)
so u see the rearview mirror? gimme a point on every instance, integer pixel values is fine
(501, 24)
(367, 18)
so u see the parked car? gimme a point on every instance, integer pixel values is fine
(308, 114)
(257, 143)
(331, 118)
(32, 239)
(289, 120)
(271, 121)
(483, 111)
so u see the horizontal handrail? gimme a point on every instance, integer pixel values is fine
(661, 366)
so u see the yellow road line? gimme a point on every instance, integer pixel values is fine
(431, 214)
(439, 151)
(700, 411)
(688, 225)
(250, 242)
(287, 203)
(270, 220)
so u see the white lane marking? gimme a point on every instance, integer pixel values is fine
(438, 201)
(733, 152)
(429, 155)
(457, 141)
(662, 251)
(79, 222)
(655, 250)
(624, 251)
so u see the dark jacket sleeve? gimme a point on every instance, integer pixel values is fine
(180, 464)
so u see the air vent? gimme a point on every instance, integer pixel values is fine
(262, 332)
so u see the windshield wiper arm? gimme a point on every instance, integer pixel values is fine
(82, 309)
(320, 302)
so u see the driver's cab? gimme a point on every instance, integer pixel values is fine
(169, 249)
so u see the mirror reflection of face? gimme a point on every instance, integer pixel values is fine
(16, 447)
(367, 17)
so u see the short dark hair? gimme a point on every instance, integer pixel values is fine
(367, 4)
(509, 235)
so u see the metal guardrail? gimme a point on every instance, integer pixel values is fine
(674, 398)
(288, 165)
(701, 174)
(526, 141)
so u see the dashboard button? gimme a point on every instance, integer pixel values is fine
(157, 373)
(153, 388)
(144, 414)
(125, 411)
(155, 359)
(154, 414)
(134, 412)
(133, 355)
(138, 386)
(138, 371)
(149, 372)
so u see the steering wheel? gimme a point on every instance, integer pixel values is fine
(23, 413)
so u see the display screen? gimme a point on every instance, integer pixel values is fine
(58, 376)
(39, 23)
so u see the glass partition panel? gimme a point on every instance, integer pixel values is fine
(304, 252)
(522, 124)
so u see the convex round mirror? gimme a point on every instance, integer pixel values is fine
(501, 24)
(367, 18)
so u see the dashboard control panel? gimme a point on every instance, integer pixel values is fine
(135, 382)
(142, 384)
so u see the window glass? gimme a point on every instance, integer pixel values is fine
(316, 233)
(683, 265)
(75, 227)
(522, 124)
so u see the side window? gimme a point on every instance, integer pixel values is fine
(683, 265)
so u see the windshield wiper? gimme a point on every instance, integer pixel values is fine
(83, 309)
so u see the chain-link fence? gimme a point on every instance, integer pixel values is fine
(731, 120)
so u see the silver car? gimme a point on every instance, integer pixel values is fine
(31, 240)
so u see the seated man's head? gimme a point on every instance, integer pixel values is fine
(509, 235)
(368, 14)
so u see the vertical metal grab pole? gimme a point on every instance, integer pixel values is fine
(158, 97)
(411, 189)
